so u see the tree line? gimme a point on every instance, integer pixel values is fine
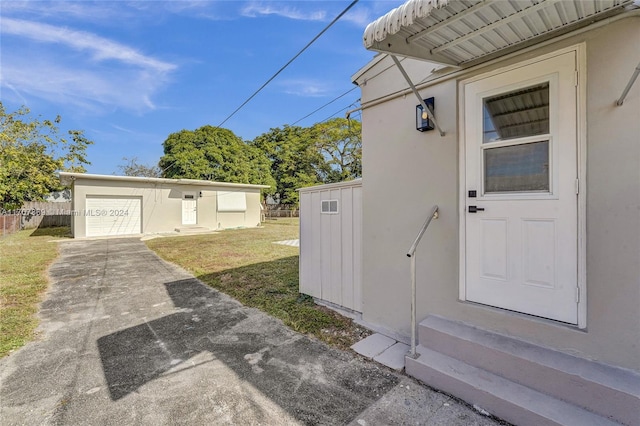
(32, 151)
(284, 158)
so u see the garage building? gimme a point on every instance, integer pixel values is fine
(105, 205)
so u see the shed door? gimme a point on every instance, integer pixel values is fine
(107, 216)
(521, 198)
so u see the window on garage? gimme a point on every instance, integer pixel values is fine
(232, 201)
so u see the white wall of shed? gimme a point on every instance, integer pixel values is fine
(331, 246)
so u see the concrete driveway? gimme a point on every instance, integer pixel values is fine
(126, 338)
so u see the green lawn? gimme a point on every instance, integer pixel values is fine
(246, 265)
(24, 259)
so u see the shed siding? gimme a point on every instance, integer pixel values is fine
(330, 249)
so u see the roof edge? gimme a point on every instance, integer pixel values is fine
(335, 185)
(67, 177)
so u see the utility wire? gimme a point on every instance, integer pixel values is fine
(338, 112)
(353, 3)
(325, 105)
(290, 61)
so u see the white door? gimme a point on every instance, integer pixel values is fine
(521, 189)
(112, 216)
(189, 208)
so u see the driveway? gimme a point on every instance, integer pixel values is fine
(126, 338)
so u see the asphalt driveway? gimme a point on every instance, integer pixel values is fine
(126, 338)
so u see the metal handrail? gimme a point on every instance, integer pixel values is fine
(411, 253)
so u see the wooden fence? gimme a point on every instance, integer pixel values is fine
(41, 214)
(36, 214)
(281, 212)
(10, 223)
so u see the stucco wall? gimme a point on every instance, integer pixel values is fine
(406, 172)
(162, 204)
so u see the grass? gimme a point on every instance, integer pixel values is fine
(246, 265)
(24, 259)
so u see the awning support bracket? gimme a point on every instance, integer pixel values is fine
(415, 92)
(634, 76)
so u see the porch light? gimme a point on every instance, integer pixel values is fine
(424, 120)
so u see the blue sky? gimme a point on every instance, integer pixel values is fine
(131, 73)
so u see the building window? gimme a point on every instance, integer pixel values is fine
(231, 201)
(330, 206)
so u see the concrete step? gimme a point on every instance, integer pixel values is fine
(192, 229)
(608, 391)
(503, 398)
(383, 349)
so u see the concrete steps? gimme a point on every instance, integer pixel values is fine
(521, 382)
(192, 230)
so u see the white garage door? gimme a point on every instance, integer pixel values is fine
(112, 216)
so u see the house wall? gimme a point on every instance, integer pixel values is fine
(406, 172)
(162, 204)
(331, 245)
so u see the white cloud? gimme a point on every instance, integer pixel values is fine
(361, 15)
(42, 60)
(255, 9)
(87, 89)
(305, 88)
(101, 48)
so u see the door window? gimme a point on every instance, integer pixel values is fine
(515, 140)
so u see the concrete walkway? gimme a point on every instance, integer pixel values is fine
(126, 338)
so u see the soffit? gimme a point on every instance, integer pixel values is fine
(466, 32)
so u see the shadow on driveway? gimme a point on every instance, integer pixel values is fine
(312, 382)
(126, 338)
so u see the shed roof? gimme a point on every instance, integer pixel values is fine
(334, 185)
(67, 177)
(466, 32)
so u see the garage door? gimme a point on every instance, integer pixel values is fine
(112, 216)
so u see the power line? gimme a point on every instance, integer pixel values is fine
(290, 61)
(338, 112)
(353, 3)
(325, 105)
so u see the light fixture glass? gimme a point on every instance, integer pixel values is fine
(423, 121)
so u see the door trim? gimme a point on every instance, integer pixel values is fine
(581, 105)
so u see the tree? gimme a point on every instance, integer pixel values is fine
(31, 152)
(340, 142)
(216, 154)
(295, 160)
(131, 167)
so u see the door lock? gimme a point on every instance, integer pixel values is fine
(475, 209)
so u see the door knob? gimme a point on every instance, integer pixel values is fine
(475, 209)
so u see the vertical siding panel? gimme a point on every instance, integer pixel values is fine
(357, 248)
(325, 236)
(315, 254)
(336, 251)
(346, 218)
(309, 282)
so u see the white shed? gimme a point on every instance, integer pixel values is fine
(330, 243)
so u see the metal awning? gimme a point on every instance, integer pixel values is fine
(467, 32)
